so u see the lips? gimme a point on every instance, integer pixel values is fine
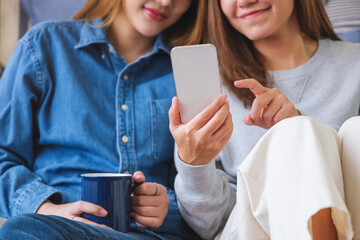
(155, 14)
(254, 13)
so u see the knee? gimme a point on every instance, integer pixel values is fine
(26, 226)
(350, 129)
(349, 134)
(14, 225)
(304, 126)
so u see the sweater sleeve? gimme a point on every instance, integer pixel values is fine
(205, 197)
(21, 190)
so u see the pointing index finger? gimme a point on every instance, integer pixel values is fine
(251, 84)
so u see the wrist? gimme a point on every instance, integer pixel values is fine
(200, 180)
(45, 207)
(191, 162)
(194, 161)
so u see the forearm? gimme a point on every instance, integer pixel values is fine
(22, 191)
(205, 197)
(174, 224)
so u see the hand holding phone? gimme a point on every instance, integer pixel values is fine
(197, 78)
(198, 88)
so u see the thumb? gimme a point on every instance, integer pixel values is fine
(248, 120)
(138, 176)
(174, 113)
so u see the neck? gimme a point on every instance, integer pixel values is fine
(287, 49)
(127, 41)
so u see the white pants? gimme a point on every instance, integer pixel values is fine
(294, 171)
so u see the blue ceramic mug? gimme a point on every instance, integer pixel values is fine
(112, 192)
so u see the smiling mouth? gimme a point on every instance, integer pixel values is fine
(255, 13)
(155, 14)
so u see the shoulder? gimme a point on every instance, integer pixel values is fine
(342, 54)
(52, 32)
(341, 48)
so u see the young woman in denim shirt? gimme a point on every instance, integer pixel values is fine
(92, 95)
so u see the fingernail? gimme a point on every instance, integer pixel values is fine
(223, 97)
(103, 212)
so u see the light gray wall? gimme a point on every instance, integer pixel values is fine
(9, 30)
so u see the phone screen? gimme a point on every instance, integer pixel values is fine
(197, 78)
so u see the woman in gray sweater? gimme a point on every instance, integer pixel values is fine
(262, 171)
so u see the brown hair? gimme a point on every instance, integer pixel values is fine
(189, 29)
(239, 59)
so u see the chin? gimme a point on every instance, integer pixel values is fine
(252, 37)
(150, 33)
(256, 36)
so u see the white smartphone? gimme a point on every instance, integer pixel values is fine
(197, 78)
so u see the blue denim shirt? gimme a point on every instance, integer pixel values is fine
(70, 105)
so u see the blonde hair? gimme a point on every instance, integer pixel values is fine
(189, 29)
(239, 59)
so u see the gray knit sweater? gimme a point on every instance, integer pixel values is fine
(327, 88)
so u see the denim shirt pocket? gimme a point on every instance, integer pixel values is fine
(161, 138)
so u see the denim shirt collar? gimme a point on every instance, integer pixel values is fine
(96, 35)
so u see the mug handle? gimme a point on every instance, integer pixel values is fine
(135, 185)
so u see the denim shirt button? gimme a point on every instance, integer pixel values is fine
(126, 172)
(126, 77)
(110, 50)
(124, 139)
(124, 107)
(103, 56)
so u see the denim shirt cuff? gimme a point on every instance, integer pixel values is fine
(197, 181)
(31, 198)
